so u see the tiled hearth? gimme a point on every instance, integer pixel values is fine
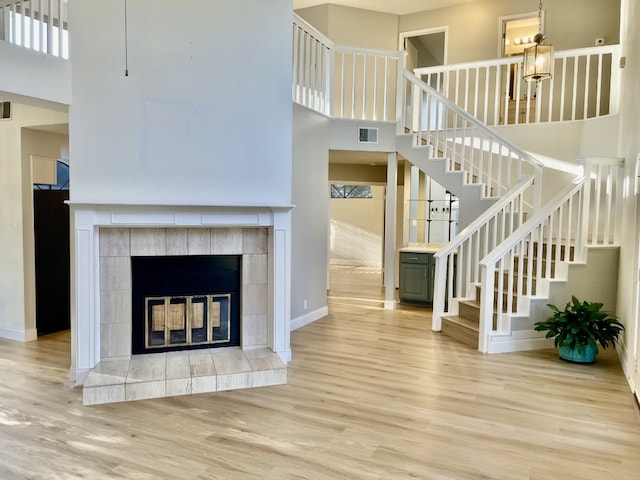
(108, 236)
(182, 373)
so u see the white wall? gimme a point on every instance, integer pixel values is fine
(35, 74)
(310, 217)
(204, 117)
(17, 289)
(630, 148)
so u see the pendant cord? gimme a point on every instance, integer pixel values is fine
(126, 42)
(539, 17)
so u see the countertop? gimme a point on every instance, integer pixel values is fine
(422, 247)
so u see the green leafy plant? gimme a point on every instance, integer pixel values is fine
(581, 324)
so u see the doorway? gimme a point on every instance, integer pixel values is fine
(516, 33)
(425, 48)
(51, 237)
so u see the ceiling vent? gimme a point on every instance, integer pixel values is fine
(367, 135)
(5, 110)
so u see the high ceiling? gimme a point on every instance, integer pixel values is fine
(397, 7)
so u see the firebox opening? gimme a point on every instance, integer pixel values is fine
(185, 302)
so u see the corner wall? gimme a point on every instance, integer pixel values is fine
(310, 217)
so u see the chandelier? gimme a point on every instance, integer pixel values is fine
(538, 59)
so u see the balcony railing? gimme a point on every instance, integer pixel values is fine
(39, 25)
(340, 81)
(584, 85)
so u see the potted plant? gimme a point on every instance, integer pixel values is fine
(579, 328)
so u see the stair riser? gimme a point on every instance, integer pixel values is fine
(460, 333)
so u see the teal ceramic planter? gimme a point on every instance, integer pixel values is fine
(569, 354)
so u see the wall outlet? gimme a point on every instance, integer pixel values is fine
(304, 305)
(599, 41)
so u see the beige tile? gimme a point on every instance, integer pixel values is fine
(143, 390)
(150, 367)
(115, 306)
(178, 386)
(115, 273)
(115, 340)
(234, 381)
(201, 363)
(254, 240)
(254, 269)
(226, 241)
(255, 299)
(114, 242)
(204, 384)
(148, 241)
(177, 241)
(265, 378)
(178, 365)
(254, 330)
(229, 360)
(102, 395)
(107, 373)
(263, 359)
(199, 241)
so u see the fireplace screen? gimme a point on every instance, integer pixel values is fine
(187, 320)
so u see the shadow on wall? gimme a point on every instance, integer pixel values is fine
(351, 245)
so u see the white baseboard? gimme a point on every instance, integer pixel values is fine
(389, 304)
(309, 317)
(518, 341)
(28, 335)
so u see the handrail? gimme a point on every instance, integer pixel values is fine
(456, 269)
(585, 84)
(471, 119)
(470, 146)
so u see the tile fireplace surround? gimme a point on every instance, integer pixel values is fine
(107, 236)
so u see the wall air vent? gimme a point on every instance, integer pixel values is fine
(367, 135)
(5, 110)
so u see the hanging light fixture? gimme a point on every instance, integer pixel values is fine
(538, 59)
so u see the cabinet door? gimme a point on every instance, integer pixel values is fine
(414, 281)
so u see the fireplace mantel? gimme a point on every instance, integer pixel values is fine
(88, 218)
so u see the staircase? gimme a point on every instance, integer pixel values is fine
(465, 326)
(492, 281)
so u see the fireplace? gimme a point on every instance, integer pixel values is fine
(185, 302)
(107, 241)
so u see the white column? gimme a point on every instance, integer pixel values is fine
(390, 232)
(85, 290)
(280, 258)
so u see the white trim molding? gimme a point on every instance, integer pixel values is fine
(308, 318)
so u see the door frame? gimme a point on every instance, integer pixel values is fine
(502, 21)
(425, 31)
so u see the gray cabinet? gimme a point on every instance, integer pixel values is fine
(416, 278)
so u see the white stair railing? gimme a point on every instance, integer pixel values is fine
(39, 25)
(585, 214)
(457, 270)
(585, 85)
(467, 144)
(341, 81)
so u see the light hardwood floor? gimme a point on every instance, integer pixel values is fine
(372, 394)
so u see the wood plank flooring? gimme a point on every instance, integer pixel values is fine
(372, 394)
